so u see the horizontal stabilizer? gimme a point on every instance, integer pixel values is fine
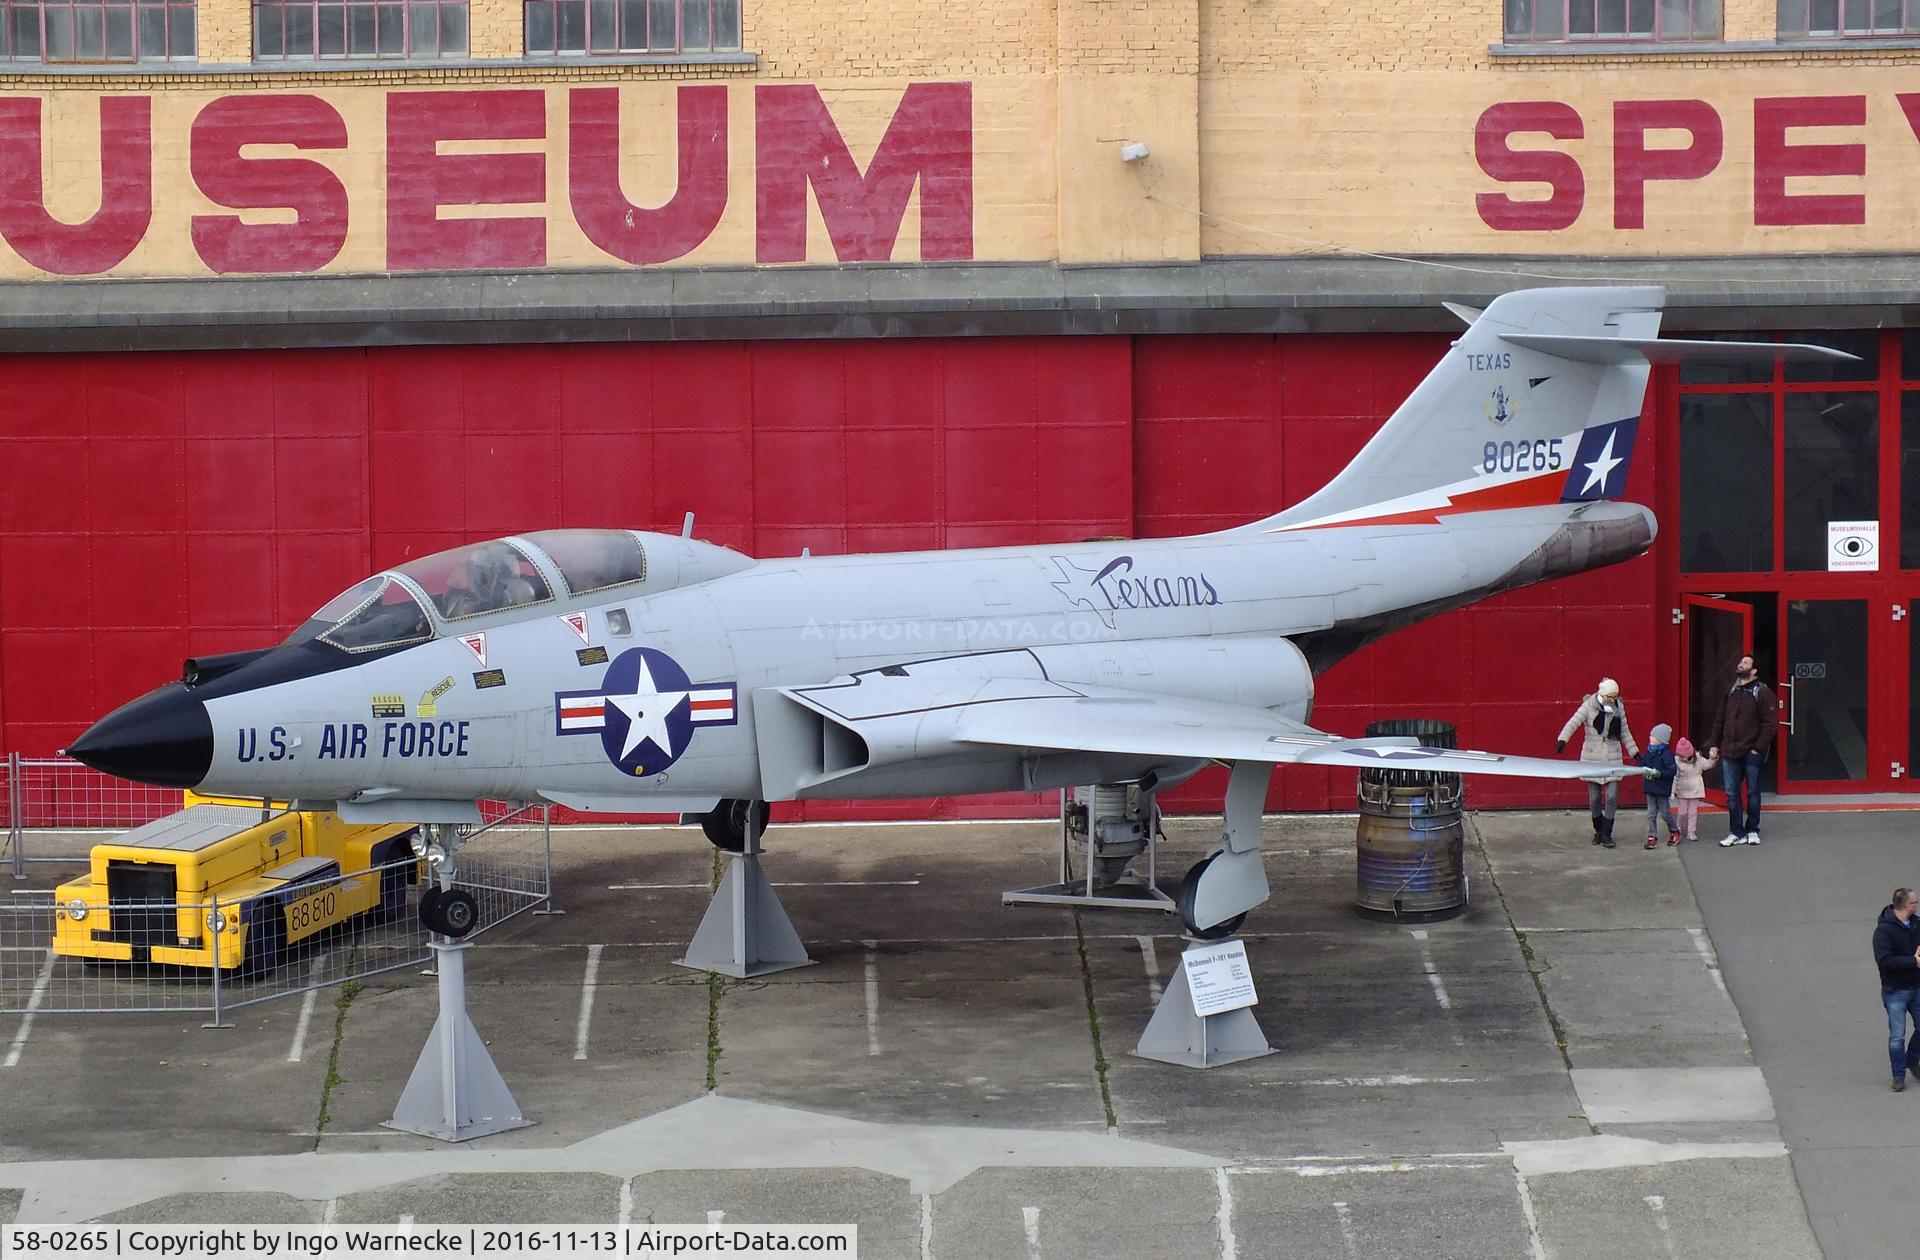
(1669, 350)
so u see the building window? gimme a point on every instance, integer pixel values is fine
(96, 30)
(1772, 454)
(315, 29)
(1726, 454)
(1800, 19)
(1553, 21)
(561, 27)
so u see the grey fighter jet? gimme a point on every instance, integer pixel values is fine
(649, 673)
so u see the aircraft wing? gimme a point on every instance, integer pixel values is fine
(894, 718)
(1114, 720)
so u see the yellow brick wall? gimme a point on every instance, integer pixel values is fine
(1245, 36)
(906, 39)
(915, 39)
(1129, 36)
(1276, 35)
(226, 31)
(495, 28)
(1128, 71)
(1749, 19)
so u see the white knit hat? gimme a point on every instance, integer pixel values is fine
(1608, 689)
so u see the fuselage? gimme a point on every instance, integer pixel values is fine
(648, 692)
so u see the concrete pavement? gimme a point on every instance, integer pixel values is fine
(1792, 920)
(1556, 1073)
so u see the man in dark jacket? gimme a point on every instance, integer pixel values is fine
(1896, 951)
(1741, 738)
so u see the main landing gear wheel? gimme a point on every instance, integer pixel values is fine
(453, 913)
(730, 824)
(1189, 891)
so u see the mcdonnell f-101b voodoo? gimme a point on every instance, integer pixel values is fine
(650, 673)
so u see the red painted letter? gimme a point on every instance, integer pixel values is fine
(1560, 171)
(315, 194)
(633, 233)
(1910, 106)
(797, 144)
(126, 189)
(1634, 163)
(420, 180)
(1774, 160)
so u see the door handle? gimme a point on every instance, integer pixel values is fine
(1787, 685)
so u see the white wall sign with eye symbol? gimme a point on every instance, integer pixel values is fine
(1853, 545)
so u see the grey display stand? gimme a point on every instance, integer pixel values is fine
(746, 931)
(1176, 1035)
(455, 1092)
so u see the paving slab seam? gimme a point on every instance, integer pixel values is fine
(1526, 951)
(1100, 1064)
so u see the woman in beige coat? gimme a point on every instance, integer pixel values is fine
(1601, 720)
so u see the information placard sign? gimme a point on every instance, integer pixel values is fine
(1218, 977)
(1853, 545)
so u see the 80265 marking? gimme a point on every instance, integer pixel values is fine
(1540, 455)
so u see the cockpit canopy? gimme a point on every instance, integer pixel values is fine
(391, 609)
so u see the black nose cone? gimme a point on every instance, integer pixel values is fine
(164, 738)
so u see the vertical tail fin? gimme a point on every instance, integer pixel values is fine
(1499, 423)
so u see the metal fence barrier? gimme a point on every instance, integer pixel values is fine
(55, 807)
(163, 961)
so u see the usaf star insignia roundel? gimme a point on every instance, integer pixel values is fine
(644, 711)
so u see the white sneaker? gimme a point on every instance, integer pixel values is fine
(1752, 837)
(1732, 839)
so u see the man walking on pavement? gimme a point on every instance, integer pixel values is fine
(1896, 950)
(1741, 738)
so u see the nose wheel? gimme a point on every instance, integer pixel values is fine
(1189, 895)
(453, 913)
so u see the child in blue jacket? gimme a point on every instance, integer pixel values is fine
(1657, 766)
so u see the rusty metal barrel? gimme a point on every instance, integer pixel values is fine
(1411, 843)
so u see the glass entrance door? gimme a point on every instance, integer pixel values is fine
(1825, 719)
(1906, 768)
(1719, 633)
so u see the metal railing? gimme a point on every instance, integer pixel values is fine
(55, 808)
(152, 954)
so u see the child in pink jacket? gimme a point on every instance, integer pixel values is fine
(1689, 784)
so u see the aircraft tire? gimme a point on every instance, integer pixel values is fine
(457, 912)
(1184, 902)
(726, 824)
(429, 899)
